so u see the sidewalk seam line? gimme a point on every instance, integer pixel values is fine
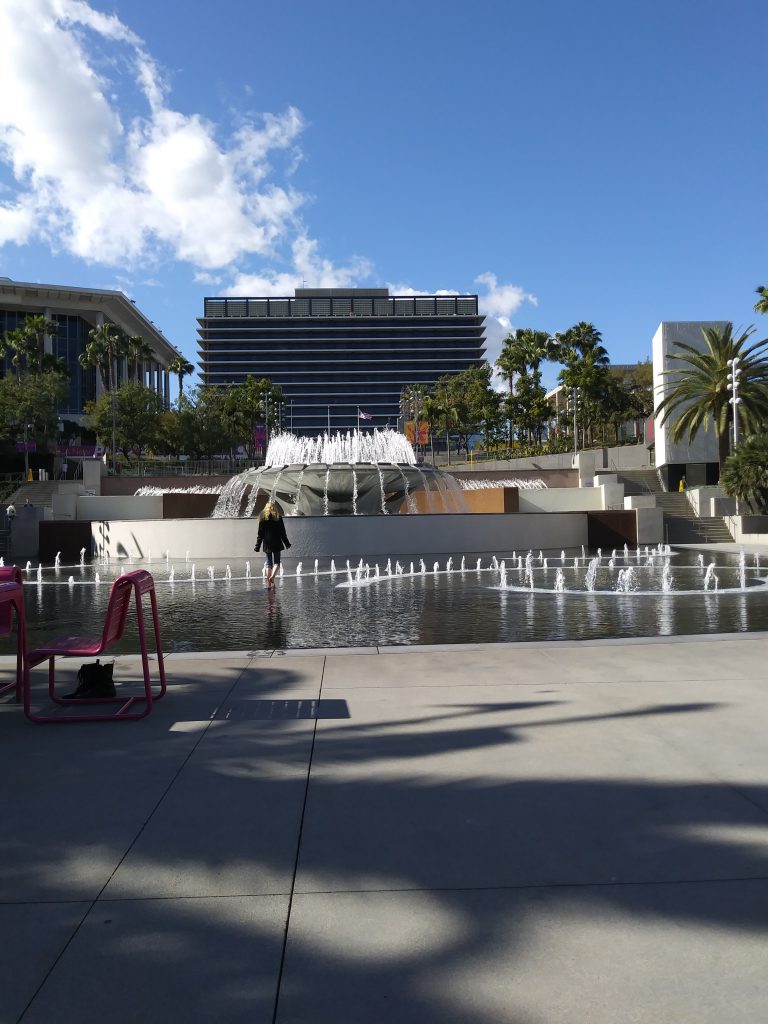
(279, 983)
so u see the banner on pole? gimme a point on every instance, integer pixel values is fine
(410, 432)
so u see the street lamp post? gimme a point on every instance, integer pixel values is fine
(733, 385)
(416, 401)
(573, 401)
(114, 429)
(27, 428)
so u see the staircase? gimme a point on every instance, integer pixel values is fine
(640, 481)
(41, 492)
(682, 526)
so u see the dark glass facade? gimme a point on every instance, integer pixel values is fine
(76, 312)
(334, 352)
(67, 344)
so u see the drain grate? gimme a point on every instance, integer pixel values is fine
(283, 710)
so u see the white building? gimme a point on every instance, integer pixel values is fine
(697, 460)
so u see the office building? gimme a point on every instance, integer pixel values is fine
(337, 352)
(76, 311)
(698, 459)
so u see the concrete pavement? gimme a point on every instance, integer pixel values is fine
(525, 833)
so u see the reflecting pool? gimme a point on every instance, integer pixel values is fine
(510, 596)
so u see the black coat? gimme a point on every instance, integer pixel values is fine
(272, 535)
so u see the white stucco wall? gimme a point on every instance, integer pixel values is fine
(748, 529)
(710, 501)
(571, 499)
(639, 501)
(334, 537)
(665, 342)
(650, 526)
(120, 507)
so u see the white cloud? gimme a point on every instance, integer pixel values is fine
(499, 303)
(404, 289)
(308, 270)
(502, 300)
(121, 191)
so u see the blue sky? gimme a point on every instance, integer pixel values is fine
(567, 161)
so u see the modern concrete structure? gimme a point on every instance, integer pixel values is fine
(696, 460)
(77, 311)
(335, 352)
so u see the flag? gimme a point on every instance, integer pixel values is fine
(364, 415)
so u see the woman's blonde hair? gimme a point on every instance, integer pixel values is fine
(270, 511)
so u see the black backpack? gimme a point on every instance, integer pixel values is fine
(94, 680)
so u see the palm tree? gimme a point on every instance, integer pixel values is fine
(761, 306)
(35, 329)
(535, 347)
(182, 368)
(16, 344)
(106, 343)
(511, 359)
(524, 350)
(586, 363)
(138, 352)
(700, 393)
(745, 473)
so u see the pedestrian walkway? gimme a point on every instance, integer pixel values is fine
(510, 834)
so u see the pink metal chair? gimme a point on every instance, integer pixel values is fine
(139, 582)
(12, 599)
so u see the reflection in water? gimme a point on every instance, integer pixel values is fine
(312, 611)
(665, 607)
(275, 634)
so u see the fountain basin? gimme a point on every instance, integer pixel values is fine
(337, 536)
(229, 608)
(342, 489)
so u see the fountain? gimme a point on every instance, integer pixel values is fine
(517, 598)
(358, 474)
(626, 581)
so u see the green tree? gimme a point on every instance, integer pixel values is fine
(528, 406)
(197, 426)
(522, 353)
(248, 405)
(182, 367)
(105, 345)
(699, 392)
(137, 412)
(139, 352)
(31, 399)
(35, 330)
(745, 473)
(586, 363)
(16, 345)
(474, 403)
(761, 306)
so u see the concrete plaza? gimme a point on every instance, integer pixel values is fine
(509, 834)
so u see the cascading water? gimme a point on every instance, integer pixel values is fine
(353, 474)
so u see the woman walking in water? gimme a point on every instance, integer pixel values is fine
(272, 535)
